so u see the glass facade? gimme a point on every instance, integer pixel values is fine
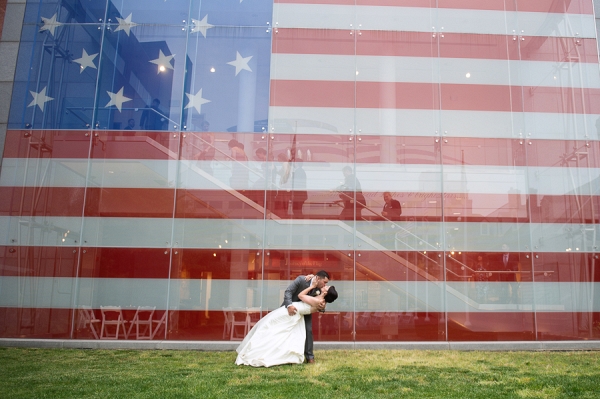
(170, 166)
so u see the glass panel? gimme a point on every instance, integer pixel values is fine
(486, 217)
(227, 83)
(141, 74)
(66, 11)
(396, 92)
(56, 77)
(128, 231)
(122, 293)
(219, 13)
(398, 239)
(208, 283)
(173, 12)
(308, 212)
(398, 232)
(561, 102)
(558, 70)
(42, 189)
(562, 183)
(566, 295)
(220, 190)
(312, 81)
(36, 291)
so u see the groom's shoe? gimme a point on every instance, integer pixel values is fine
(310, 361)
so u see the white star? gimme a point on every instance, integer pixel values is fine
(40, 99)
(201, 26)
(86, 60)
(163, 61)
(125, 24)
(50, 24)
(196, 100)
(240, 63)
(117, 99)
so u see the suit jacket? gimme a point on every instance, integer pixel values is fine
(394, 210)
(292, 291)
(511, 266)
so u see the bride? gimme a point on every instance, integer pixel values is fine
(278, 338)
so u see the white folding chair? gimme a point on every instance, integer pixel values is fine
(239, 318)
(112, 316)
(159, 323)
(252, 317)
(143, 317)
(228, 322)
(85, 318)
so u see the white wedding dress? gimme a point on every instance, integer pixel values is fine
(277, 338)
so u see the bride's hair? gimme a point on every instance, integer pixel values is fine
(331, 294)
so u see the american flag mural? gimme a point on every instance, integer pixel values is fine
(171, 165)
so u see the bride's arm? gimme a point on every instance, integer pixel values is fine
(315, 302)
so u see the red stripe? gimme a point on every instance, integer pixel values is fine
(482, 267)
(130, 202)
(566, 267)
(28, 261)
(344, 94)
(563, 153)
(553, 6)
(384, 266)
(47, 144)
(539, 267)
(41, 201)
(144, 145)
(566, 325)
(218, 204)
(45, 323)
(491, 326)
(546, 6)
(336, 148)
(423, 44)
(330, 326)
(125, 262)
(71, 144)
(583, 209)
(557, 49)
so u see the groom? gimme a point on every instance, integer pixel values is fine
(291, 295)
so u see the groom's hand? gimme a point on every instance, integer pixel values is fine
(291, 310)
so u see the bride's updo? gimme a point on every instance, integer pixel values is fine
(331, 294)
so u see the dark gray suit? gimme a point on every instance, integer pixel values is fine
(291, 295)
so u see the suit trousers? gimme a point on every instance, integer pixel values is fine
(308, 344)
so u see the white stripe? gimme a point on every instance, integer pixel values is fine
(416, 122)
(417, 19)
(364, 68)
(43, 172)
(303, 234)
(379, 177)
(214, 295)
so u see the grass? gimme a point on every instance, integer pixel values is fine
(70, 373)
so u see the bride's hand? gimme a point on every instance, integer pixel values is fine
(321, 306)
(309, 277)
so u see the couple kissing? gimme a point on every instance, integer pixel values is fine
(285, 335)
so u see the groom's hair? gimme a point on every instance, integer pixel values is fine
(331, 294)
(323, 274)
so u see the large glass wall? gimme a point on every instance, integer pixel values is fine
(170, 167)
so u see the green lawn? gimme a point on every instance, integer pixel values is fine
(70, 373)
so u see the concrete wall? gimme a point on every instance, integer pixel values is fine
(12, 13)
